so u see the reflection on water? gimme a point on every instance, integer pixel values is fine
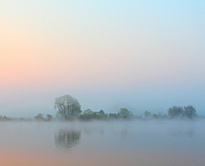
(150, 143)
(90, 131)
(67, 139)
(124, 133)
(183, 133)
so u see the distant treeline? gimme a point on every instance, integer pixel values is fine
(68, 108)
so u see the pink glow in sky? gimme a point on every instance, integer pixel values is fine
(144, 48)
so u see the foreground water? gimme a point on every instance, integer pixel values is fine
(143, 143)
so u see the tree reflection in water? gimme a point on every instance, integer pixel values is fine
(184, 133)
(66, 139)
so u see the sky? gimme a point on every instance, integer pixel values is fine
(142, 55)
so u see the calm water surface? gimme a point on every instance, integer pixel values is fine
(143, 143)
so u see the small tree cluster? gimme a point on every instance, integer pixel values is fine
(40, 117)
(176, 112)
(68, 108)
(89, 114)
(124, 113)
(149, 115)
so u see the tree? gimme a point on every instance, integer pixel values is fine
(155, 116)
(175, 111)
(189, 111)
(112, 115)
(87, 115)
(147, 114)
(6, 118)
(39, 117)
(88, 111)
(125, 113)
(49, 117)
(101, 114)
(67, 106)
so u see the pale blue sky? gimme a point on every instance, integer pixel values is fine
(144, 55)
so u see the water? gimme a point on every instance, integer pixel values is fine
(143, 143)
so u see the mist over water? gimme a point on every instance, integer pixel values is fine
(145, 143)
(141, 61)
